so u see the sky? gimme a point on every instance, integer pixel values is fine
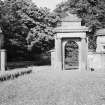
(51, 4)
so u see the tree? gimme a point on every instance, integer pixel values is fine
(25, 26)
(92, 13)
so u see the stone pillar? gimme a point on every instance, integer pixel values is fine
(79, 51)
(52, 59)
(58, 56)
(2, 60)
(84, 54)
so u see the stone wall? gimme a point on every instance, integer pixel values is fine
(96, 61)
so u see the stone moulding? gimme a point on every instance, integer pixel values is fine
(70, 30)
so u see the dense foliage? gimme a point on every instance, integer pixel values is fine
(92, 13)
(26, 26)
(23, 23)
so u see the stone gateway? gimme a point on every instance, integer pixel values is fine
(70, 45)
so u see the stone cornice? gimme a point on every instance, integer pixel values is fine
(70, 30)
(70, 35)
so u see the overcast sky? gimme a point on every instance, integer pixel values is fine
(51, 4)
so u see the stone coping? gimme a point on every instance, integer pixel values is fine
(2, 50)
(100, 32)
(53, 50)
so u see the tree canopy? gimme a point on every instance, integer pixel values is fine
(25, 25)
(92, 12)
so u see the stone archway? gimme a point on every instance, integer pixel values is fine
(71, 30)
(71, 55)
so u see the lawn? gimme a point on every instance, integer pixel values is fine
(46, 87)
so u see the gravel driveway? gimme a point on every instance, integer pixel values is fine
(46, 87)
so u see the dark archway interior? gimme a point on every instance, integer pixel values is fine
(71, 60)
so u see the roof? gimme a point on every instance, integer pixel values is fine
(71, 23)
(100, 32)
(71, 18)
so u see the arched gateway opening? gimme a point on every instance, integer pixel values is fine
(71, 55)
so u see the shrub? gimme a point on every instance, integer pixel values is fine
(12, 75)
